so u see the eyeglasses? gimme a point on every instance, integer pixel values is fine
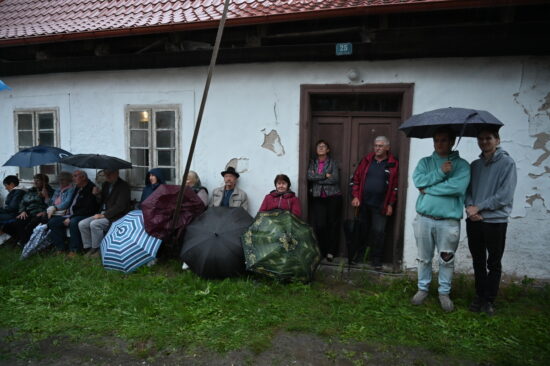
(489, 138)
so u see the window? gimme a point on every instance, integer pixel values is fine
(37, 127)
(153, 136)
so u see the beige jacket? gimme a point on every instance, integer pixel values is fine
(238, 198)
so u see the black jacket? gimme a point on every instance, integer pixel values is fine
(86, 203)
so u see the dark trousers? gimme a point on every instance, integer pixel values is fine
(22, 229)
(58, 233)
(373, 224)
(326, 214)
(486, 242)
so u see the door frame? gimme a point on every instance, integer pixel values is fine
(406, 91)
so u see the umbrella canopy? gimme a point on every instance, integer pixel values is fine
(212, 243)
(465, 122)
(37, 155)
(159, 207)
(96, 161)
(4, 86)
(280, 245)
(127, 246)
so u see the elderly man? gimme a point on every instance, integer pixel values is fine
(83, 204)
(375, 193)
(442, 180)
(488, 205)
(229, 195)
(114, 202)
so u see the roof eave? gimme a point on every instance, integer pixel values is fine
(278, 18)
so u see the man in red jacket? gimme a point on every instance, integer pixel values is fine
(375, 193)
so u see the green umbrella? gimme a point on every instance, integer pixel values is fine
(280, 245)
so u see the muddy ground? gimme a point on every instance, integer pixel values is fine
(286, 349)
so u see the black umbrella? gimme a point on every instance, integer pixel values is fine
(96, 161)
(354, 238)
(465, 122)
(37, 155)
(212, 242)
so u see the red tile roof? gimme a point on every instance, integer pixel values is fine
(33, 21)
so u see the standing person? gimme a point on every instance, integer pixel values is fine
(282, 197)
(114, 202)
(32, 209)
(229, 195)
(375, 193)
(488, 205)
(153, 179)
(326, 205)
(83, 204)
(442, 180)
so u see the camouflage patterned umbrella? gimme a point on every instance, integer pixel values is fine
(280, 245)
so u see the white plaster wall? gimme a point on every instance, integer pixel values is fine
(248, 101)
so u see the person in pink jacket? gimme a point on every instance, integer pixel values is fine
(282, 197)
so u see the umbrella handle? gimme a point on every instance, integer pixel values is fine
(356, 212)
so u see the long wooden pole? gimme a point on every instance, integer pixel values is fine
(199, 117)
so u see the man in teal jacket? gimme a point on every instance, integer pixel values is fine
(442, 180)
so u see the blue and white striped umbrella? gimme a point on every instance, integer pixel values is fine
(127, 246)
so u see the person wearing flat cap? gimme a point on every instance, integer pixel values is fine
(229, 195)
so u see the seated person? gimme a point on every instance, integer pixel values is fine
(114, 202)
(14, 197)
(282, 197)
(82, 204)
(11, 204)
(229, 195)
(194, 182)
(153, 179)
(32, 209)
(61, 198)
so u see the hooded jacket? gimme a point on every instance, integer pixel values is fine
(444, 193)
(150, 188)
(283, 201)
(492, 186)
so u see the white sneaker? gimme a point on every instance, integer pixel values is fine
(184, 266)
(4, 238)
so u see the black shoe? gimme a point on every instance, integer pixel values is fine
(475, 305)
(488, 308)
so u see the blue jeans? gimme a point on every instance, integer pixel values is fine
(58, 233)
(442, 235)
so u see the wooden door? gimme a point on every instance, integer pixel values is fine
(349, 118)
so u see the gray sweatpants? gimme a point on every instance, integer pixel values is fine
(92, 231)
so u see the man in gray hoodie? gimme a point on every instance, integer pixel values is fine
(488, 205)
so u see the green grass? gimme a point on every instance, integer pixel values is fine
(164, 308)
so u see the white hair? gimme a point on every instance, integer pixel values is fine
(382, 138)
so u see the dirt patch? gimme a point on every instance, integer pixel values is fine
(286, 349)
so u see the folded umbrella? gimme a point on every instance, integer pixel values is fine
(212, 242)
(465, 122)
(127, 246)
(37, 155)
(354, 237)
(280, 245)
(96, 161)
(38, 241)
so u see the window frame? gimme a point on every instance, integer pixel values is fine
(153, 161)
(35, 112)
